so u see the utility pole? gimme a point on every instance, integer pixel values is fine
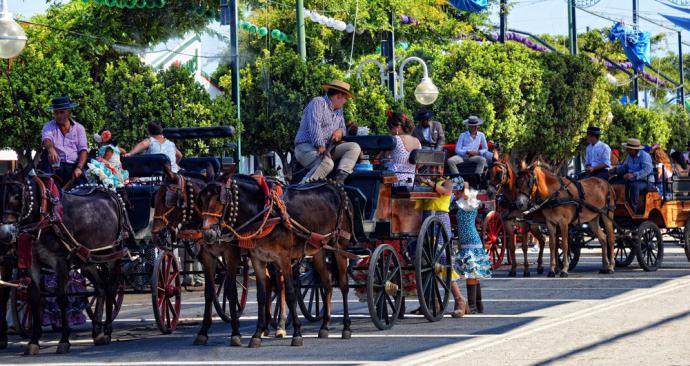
(636, 85)
(503, 26)
(388, 51)
(681, 72)
(573, 27)
(301, 40)
(230, 16)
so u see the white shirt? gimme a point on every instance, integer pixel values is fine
(467, 143)
(598, 154)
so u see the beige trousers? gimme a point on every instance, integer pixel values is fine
(345, 155)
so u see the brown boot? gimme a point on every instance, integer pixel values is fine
(472, 298)
(480, 306)
(460, 308)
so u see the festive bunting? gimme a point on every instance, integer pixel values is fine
(474, 6)
(328, 21)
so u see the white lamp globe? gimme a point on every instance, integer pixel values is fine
(12, 35)
(426, 92)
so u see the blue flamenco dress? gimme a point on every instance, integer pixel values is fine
(471, 261)
(107, 172)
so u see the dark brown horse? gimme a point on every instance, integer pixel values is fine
(504, 179)
(564, 202)
(305, 222)
(176, 213)
(85, 228)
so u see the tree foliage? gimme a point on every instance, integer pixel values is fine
(650, 126)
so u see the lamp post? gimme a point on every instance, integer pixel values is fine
(426, 92)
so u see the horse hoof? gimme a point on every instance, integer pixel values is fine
(323, 333)
(526, 274)
(63, 348)
(540, 270)
(236, 341)
(266, 333)
(347, 334)
(201, 340)
(297, 342)
(512, 274)
(280, 333)
(3, 345)
(31, 350)
(101, 340)
(564, 274)
(551, 274)
(255, 343)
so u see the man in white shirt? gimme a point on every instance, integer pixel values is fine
(597, 155)
(472, 144)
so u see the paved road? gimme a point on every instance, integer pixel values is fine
(632, 317)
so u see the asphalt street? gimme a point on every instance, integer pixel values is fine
(629, 318)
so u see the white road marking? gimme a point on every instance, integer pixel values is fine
(206, 362)
(440, 356)
(334, 316)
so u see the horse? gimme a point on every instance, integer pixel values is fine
(278, 230)
(562, 202)
(176, 211)
(503, 179)
(86, 228)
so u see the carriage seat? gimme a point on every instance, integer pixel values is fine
(369, 184)
(198, 132)
(680, 188)
(140, 194)
(196, 167)
(373, 143)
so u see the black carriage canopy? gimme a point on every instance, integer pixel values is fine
(188, 133)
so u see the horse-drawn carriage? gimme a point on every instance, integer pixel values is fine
(151, 264)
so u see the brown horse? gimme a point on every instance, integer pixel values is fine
(504, 179)
(176, 211)
(564, 202)
(304, 222)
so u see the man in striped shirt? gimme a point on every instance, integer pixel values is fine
(323, 125)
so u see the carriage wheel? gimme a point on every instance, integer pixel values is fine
(686, 239)
(433, 268)
(384, 287)
(91, 300)
(166, 294)
(310, 292)
(494, 235)
(623, 253)
(242, 284)
(21, 309)
(574, 250)
(650, 251)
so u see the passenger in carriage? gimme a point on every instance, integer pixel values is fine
(401, 127)
(664, 168)
(597, 156)
(472, 146)
(637, 169)
(156, 143)
(430, 134)
(680, 167)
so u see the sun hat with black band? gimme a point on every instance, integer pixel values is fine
(340, 86)
(633, 144)
(59, 103)
(473, 121)
(594, 131)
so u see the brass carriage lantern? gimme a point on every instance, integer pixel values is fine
(12, 35)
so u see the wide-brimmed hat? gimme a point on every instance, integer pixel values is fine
(340, 86)
(61, 103)
(592, 130)
(423, 114)
(473, 121)
(633, 144)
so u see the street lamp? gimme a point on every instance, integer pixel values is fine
(12, 36)
(426, 92)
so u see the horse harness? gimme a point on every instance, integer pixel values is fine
(274, 213)
(180, 195)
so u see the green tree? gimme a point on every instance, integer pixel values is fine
(650, 126)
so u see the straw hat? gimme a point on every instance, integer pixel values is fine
(633, 144)
(473, 121)
(340, 86)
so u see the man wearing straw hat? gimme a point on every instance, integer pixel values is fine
(472, 146)
(321, 128)
(64, 143)
(637, 171)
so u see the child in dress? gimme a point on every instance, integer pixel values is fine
(440, 207)
(472, 262)
(106, 168)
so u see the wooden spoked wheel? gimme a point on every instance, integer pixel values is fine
(166, 293)
(384, 287)
(310, 293)
(650, 251)
(623, 253)
(433, 268)
(221, 301)
(20, 307)
(494, 235)
(92, 299)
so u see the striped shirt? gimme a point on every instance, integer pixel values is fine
(319, 121)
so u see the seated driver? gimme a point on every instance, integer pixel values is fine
(637, 171)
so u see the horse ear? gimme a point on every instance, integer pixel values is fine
(210, 172)
(170, 176)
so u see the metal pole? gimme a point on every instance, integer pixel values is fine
(681, 90)
(573, 27)
(504, 23)
(235, 66)
(301, 40)
(388, 50)
(636, 84)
